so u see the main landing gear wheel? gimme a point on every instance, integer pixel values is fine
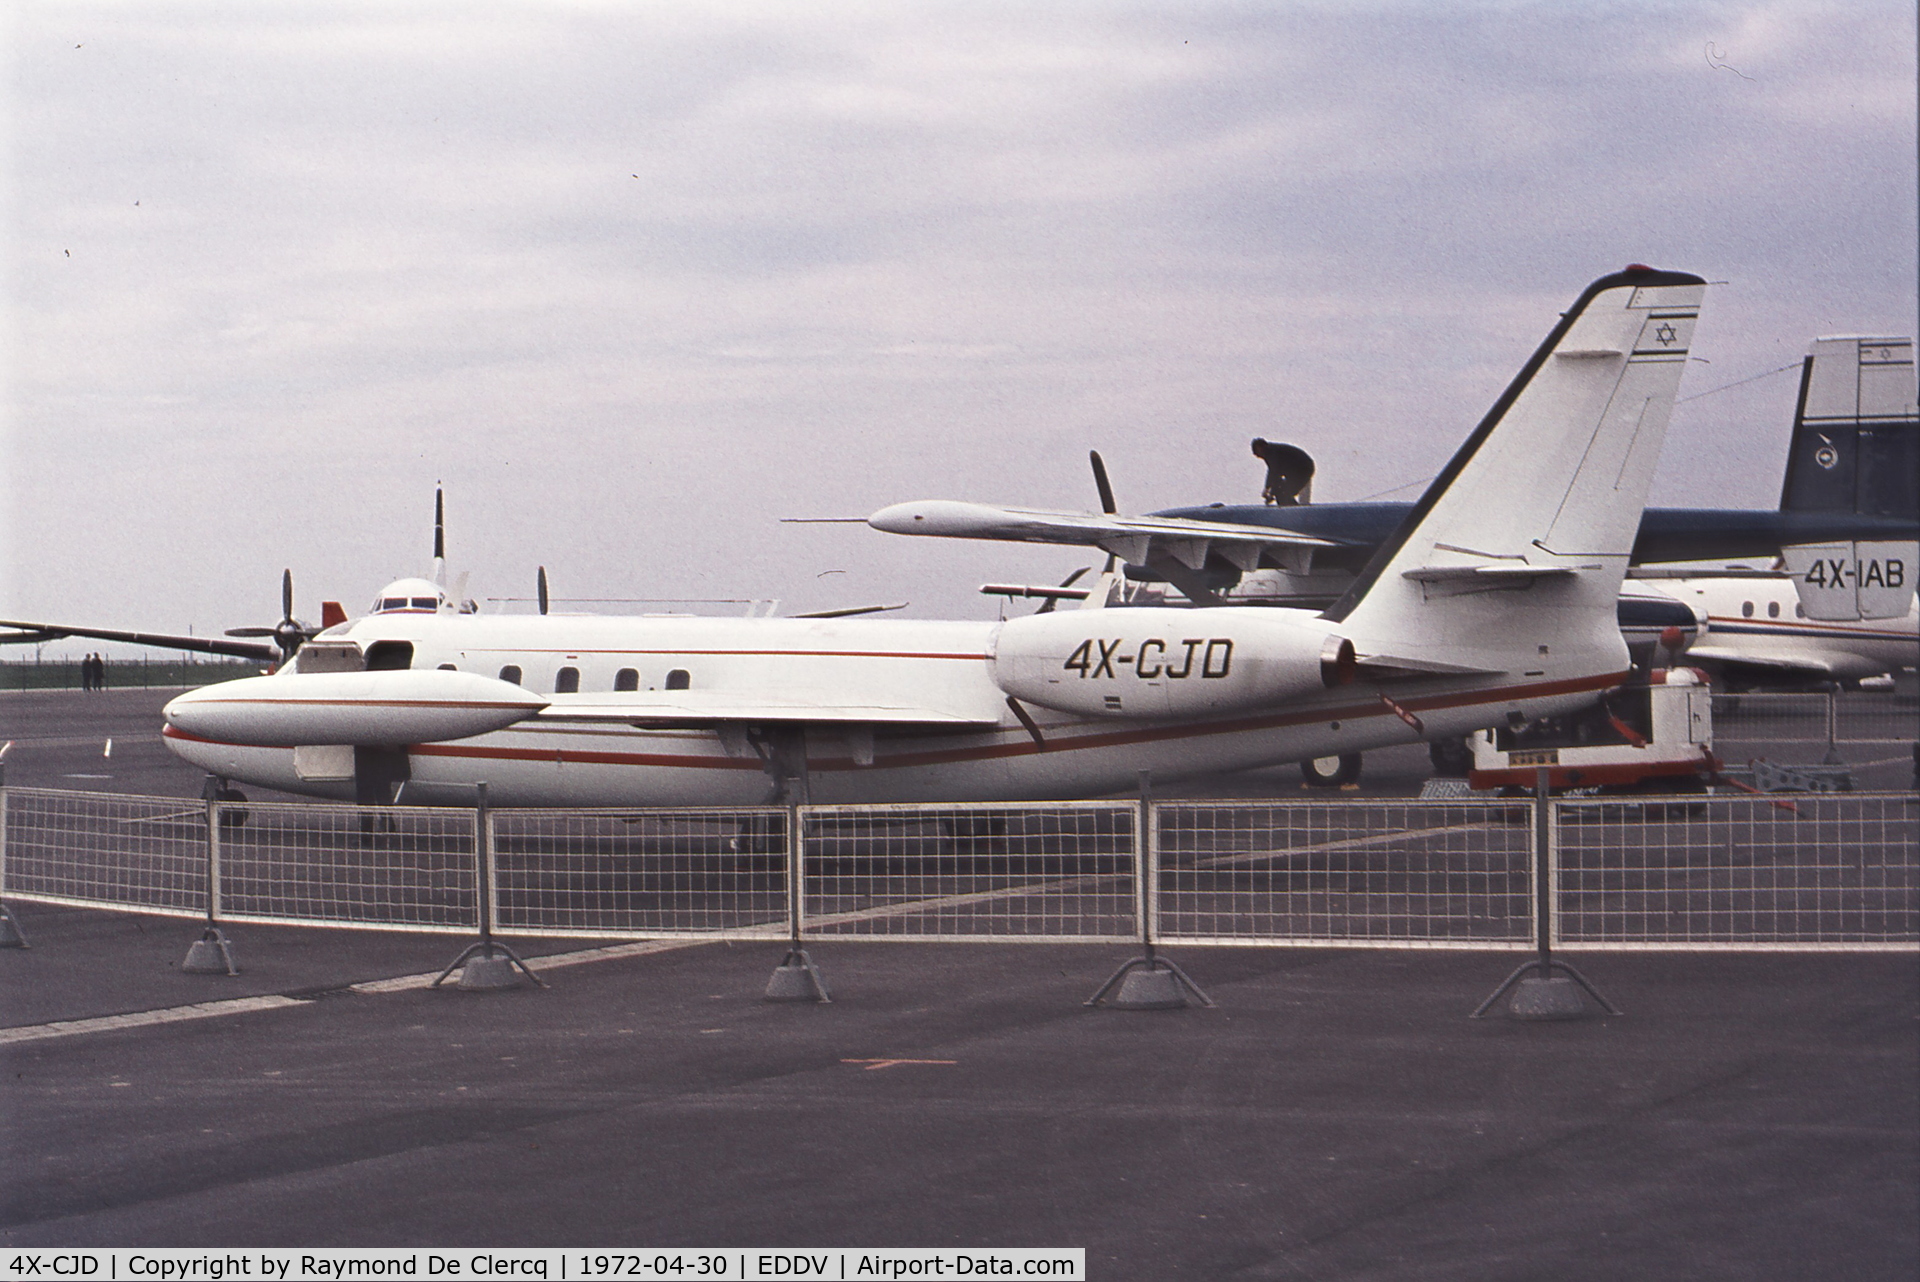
(1331, 772)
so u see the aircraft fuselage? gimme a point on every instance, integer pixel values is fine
(990, 754)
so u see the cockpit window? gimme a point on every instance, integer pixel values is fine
(425, 603)
(392, 603)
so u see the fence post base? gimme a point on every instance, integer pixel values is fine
(487, 966)
(797, 979)
(211, 954)
(1149, 983)
(1537, 994)
(11, 936)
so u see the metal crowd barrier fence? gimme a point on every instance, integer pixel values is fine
(1361, 873)
(1818, 717)
(1802, 871)
(708, 874)
(1007, 871)
(103, 850)
(385, 868)
(1826, 871)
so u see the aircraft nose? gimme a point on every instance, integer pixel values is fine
(933, 516)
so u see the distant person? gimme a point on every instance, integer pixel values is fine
(86, 673)
(1289, 472)
(99, 672)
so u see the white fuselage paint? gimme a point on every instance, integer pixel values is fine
(937, 665)
(1757, 622)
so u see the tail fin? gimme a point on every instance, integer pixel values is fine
(1855, 452)
(1856, 430)
(1522, 540)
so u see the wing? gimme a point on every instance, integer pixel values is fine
(682, 708)
(1134, 539)
(1736, 658)
(33, 633)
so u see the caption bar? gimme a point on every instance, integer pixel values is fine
(1068, 1264)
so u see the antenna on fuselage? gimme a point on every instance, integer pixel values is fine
(439, 537)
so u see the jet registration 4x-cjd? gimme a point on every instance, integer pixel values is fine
(1494, 603)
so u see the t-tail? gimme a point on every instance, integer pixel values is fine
(1512, 560)
(1856, 451)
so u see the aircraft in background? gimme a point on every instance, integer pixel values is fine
(1850, 492)
(1760, 636)
(1494, 604)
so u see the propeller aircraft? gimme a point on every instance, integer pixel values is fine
(1850, 497)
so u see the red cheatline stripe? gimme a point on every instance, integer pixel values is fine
(1737, 623)
(1018, 743)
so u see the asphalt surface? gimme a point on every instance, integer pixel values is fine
(1334, 1115)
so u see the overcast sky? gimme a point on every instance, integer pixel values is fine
(637, 281)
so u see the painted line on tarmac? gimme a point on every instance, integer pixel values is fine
(277, 1001)
(145, 1018)
(579, 957)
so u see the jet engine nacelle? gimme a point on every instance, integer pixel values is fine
(365, 709)
(1151, 662)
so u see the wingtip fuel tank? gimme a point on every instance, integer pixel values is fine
(365, 709)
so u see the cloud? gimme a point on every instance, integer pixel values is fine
(637, 281)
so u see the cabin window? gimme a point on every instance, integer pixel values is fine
(511, 673)
(1746, 609)
(678, 679)
(1773, 609)
(448, 667)
(389, 656)
(1799, 611)
(626, 679)
(566, 681)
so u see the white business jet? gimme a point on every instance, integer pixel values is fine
(1495, 603)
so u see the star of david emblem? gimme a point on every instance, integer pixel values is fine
(1666, 334)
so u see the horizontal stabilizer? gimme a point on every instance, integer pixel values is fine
(1390, 665)
(714, 707)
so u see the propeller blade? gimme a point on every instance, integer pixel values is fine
(250, 632)
(542, 585)
(286, 594)
(439, 526)
(1100, 479)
